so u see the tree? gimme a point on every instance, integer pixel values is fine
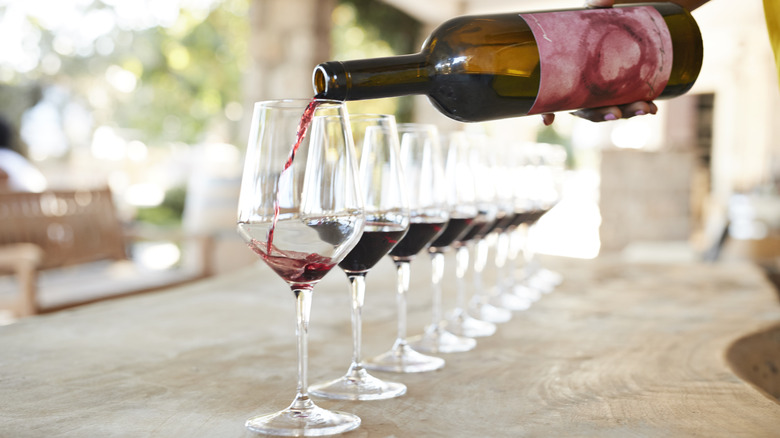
(174, 76)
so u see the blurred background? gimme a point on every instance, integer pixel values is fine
(152, 98)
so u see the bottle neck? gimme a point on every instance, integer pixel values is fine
(371, 78)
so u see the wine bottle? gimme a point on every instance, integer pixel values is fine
(485, 67)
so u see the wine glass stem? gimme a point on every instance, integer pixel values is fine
(402, 285)
(515, 243)
(437, 272)
(502, 247)
(528, 251)
(303, 312)
(461, 265)
(480, 259)
(514, 250)
(358, 283)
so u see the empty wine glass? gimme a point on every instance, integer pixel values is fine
(461, 202)
(387, 221)
(428, 214)
(300, 209)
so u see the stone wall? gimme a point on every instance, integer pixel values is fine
(645, 196)
(289, 38)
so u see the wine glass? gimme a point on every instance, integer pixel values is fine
(549, 172)
(461, 201)
(300, 209)
(387, 221)
(459, 321)
(509, 171)
(428, 214)
(526, 212)
(489, 173)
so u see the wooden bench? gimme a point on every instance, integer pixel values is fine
(60, 249)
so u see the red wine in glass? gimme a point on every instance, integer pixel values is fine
(455, 228)
(419, 236)
(537, 214)
(377, 240)
(502, 222)
(478, 227)
(519, 218)
(295, 267)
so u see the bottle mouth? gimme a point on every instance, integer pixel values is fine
(318, 81)
(329, 81)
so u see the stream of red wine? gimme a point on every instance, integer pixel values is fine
(303, 127)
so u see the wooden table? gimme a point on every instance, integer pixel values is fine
(618, 350)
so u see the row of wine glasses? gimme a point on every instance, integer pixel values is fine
(323, 188)
(460, 199)
(516, 184)
(536, 173)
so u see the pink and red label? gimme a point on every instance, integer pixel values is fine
(600, 57)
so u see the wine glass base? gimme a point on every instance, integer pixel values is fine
(312, 421)
(463, 324)
(438, 340)
(403, 359)
(543, 280)
(510, 301)
(526, 292)
(358, 385)
(550, 276)
(490, 313)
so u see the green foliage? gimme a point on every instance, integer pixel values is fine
(549, 134)
(168, 213)
(387, 23)
(185, 85)
(369, 29)
(184, 74)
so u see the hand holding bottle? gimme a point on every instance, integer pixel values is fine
(608, 113)
(624, 111)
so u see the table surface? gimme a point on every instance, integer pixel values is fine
(618, 350)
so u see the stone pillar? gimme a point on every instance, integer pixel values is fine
(288, 38)
(645, 197)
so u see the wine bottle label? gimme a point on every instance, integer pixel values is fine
(600, 57)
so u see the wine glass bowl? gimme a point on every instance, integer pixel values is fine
(300, 209)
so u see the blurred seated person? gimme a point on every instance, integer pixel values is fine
(17, 174)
